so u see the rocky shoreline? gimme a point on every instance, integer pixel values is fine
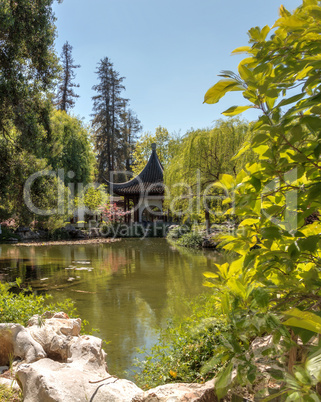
(99, 240)
(52, 362)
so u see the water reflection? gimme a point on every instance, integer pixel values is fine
(125, 289)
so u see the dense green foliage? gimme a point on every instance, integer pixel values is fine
(192, 239)
(269, 296)
(199, 160)
(71, 149)
(20, 306)
(273, 287)
(166, 145)
(33, 136)
(28, 68)
(185, 346)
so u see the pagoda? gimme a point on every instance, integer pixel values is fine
(144, 194)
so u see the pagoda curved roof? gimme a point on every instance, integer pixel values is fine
(149, 181)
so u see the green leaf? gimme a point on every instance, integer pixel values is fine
(304, 334)
(316, 110)
(223, 381)
(244, 148)
(261, 297)
(242, 49)
(209, 284)
(261, 150)
(309, 243)
(284, 12)
(292, 22)
(317, 151)
(276, 374)
(208, 274)
(274, 396)
(302, 74)
(271, 233)
(249, 222)
(264, 31)
(313, 364)
(212, 363)
(234, 110)
(292, 99)
(214, 94)
(227, 181)
(260, 138)
(303, 319)
(314, 191)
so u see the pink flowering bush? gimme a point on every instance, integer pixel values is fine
(112, 214)
(10, 223)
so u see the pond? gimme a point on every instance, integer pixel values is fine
(126, 289)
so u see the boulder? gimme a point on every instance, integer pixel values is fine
(22, 229)
(60, 382)
(9, 383)
(29, 235)
(72, 366)
(16, 342)
(182, 393)
(55, 334)
(58, 364)
(94, 232)
(11, 240)
(73, 232)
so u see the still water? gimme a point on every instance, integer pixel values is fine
(126, 289)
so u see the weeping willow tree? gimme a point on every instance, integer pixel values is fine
(199, 162)
(166, 145)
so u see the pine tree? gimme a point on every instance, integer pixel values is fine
(130, 127)
(108, 107)
(66, 94)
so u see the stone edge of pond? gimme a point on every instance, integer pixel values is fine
(51, 360)
(65, 242)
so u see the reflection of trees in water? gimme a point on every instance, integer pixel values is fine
(135, 285)
(144, 295)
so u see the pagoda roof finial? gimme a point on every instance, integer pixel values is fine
(150, 179)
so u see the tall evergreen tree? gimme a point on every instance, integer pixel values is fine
(130, 128)
(66, 93)
(108, 107)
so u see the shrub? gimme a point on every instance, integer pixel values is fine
(192, 239)
(10, 223)
(20, 307)
(6, 234)
(177, 232)
(58, 234)
(185, 349)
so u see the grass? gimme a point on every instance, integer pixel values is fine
(9, 394)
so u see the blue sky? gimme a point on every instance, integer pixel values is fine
(170, 52)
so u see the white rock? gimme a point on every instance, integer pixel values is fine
(61, 383)
(9, 383)
(55, 335)
(60, 365)
(16, 341)
(182, 393)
